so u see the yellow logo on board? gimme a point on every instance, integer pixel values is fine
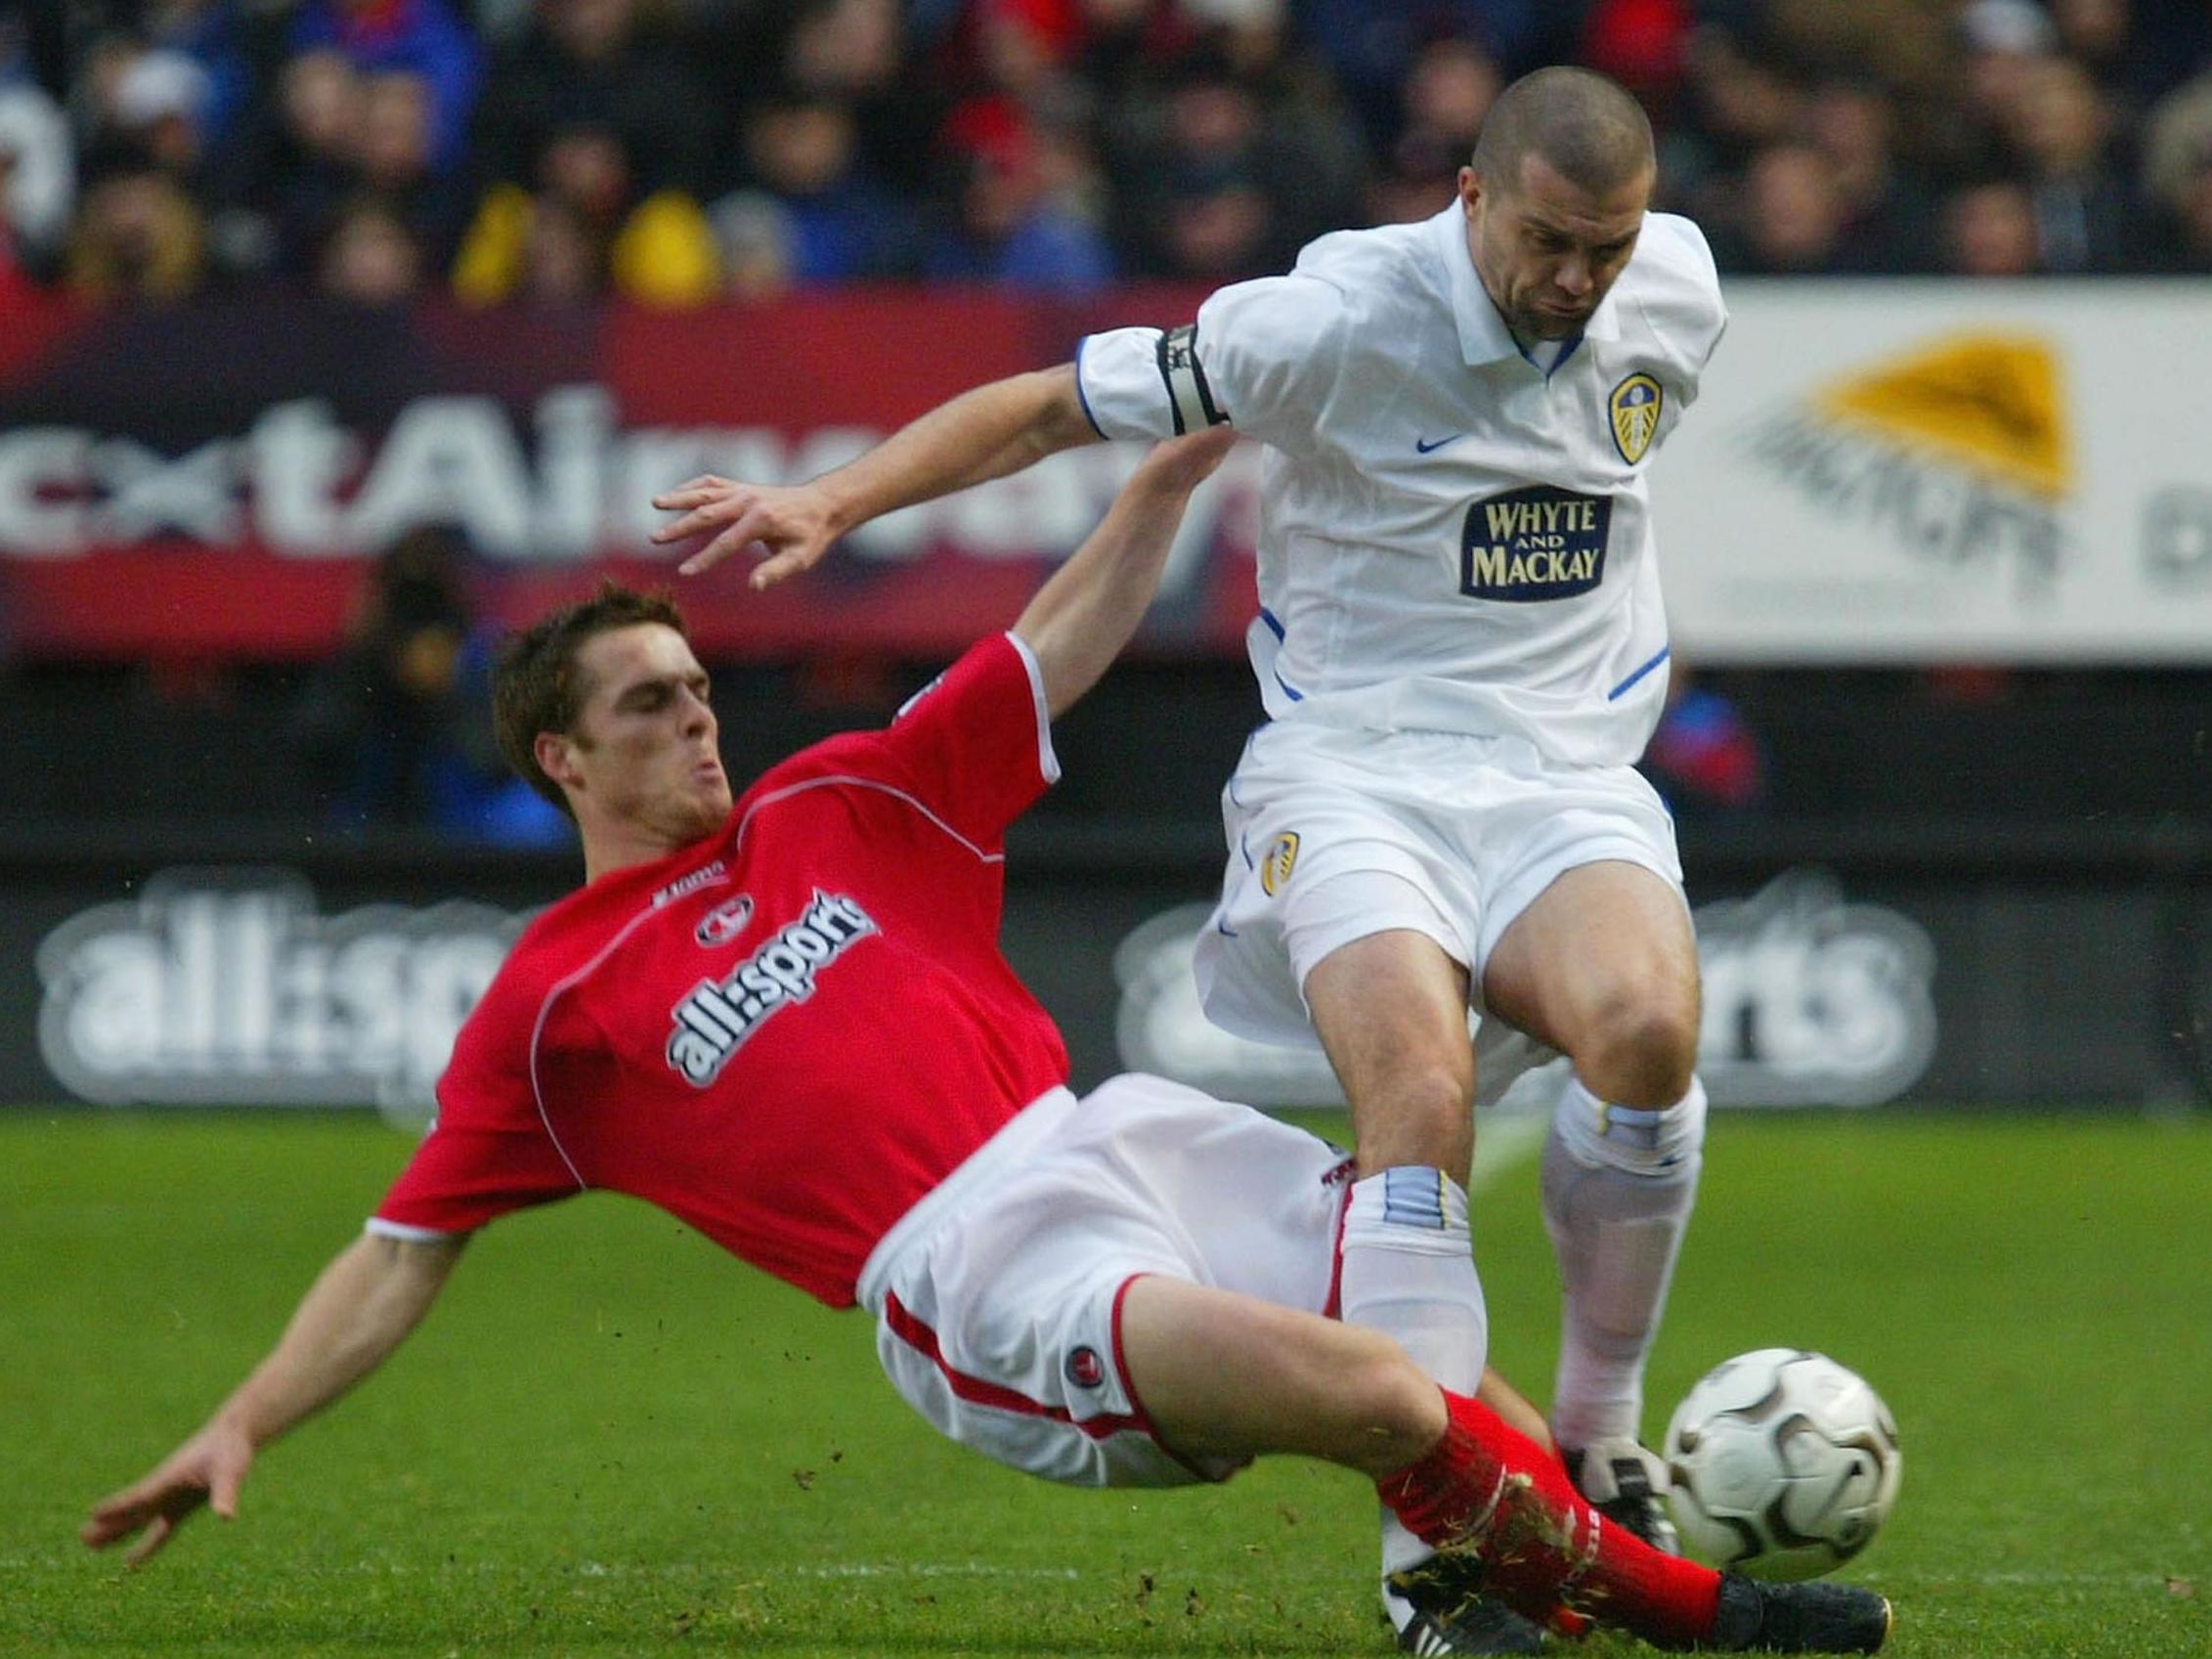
(1635, 407)
(1274, 868)
(1987, 401)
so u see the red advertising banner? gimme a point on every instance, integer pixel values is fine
(213, 480)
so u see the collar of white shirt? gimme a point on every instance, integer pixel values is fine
(1484, 336)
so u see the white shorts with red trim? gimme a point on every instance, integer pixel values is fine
(999, 1297)
(1336, 834)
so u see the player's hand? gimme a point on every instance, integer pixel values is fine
(209, 1469)
(1184, 463)
(792, 523)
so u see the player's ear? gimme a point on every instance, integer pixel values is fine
(555, 753)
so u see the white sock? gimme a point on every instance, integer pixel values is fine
(1618, 1187)
(1410, 1273)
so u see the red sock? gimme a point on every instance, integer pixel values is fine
(1490, 1491)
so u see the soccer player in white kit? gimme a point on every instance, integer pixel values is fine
(1462, 650)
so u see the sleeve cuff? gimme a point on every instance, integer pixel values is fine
(1048, 762)
(1081, 396)
(400, 1230)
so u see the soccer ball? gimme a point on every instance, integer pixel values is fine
(1784, 1463)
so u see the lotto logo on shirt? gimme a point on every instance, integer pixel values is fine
(720, 1014)
(1540, 543)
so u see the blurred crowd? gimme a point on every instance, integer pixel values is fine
(676, 151)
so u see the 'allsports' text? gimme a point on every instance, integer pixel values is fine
(719, 1015)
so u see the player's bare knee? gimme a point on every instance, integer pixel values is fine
(1398, 1413)
(1641, 1052)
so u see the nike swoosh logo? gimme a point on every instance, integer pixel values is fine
(1424, 446)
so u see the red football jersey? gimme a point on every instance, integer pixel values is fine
(788, 1033)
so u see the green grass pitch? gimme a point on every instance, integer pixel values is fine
(610, 1439)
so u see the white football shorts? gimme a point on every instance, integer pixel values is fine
(1335, 833)
(998, 1297)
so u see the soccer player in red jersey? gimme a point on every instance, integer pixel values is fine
(785, 1020)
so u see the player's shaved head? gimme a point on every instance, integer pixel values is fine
(539, 683)
(1590, 130)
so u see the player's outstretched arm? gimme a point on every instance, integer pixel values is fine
(988, 433)
(1081, 618)
(373, 1293)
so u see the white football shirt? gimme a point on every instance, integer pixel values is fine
(1451, 538)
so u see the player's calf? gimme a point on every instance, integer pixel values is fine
(1619, 1185)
